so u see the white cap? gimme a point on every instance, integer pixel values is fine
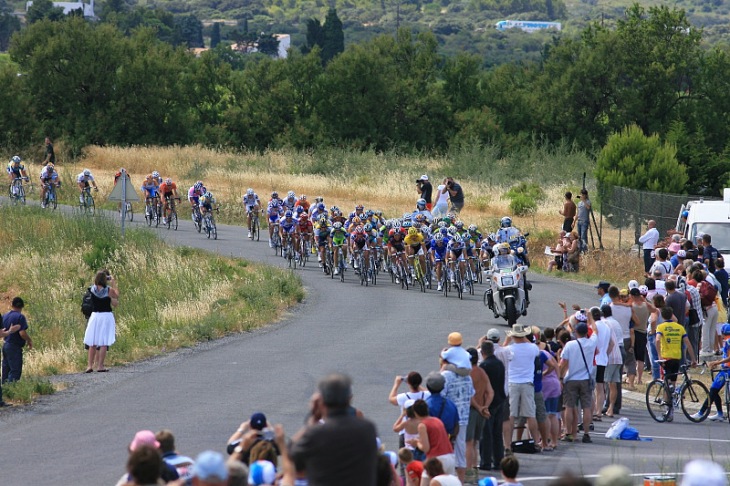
(633, 284)
(424, 177)
(703, 473)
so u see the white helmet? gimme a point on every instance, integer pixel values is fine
(249, 191)
(87, 172)
(506, 222)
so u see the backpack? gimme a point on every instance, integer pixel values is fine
(708, 292)
(87, 304)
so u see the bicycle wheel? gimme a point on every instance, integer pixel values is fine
(458, 283)
(158, 216)
(21, 194)
(693, 396)
(656, 402)
(90, 208)
(130, 212)
(213, 229)
(173, 217)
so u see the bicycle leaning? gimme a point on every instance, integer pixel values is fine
(662, 397)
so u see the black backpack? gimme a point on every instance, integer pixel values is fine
(87, 304)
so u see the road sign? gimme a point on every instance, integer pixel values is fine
(129, 194)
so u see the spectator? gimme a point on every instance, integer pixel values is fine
(576, 369)
(147, 438)
(674, 245)
(415, 392)
(602, 290)
(182, 464)
(701, 472)
(458, 388)
(249, 434)
(624, 315)
(649, 241)
(435, 470)
(407, 426)
(342, 450)
(661, 264)
(210, 469)
(414, 469)
(510, 469)
(433, 440)
(237, 473)
(582, 219)
(568, 212)
(442, 202)
(604, 345)
(50, 155)
(722, 277)
(551, 391)
(261, 472)
(559, 250)
(456, 195)
(143, 467)
(710, 312)
(521, 382)
(385, 474)
(573, 252)
(101, 328)
(709, 253)
(440, 406)
(478, 413)
(15, 333)
(642, 310)
(491, 445)
(459, 356)
(654, 320)
(425, 189)
(676, 300)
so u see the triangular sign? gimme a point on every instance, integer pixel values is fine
(131, 194)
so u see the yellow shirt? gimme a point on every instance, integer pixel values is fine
(414, 240)
(671, 336)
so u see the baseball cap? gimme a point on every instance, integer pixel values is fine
(703, 473)
(144, 437)
(633, 284)
(455, 339)
(210, 465)
(258, 421)
(603, 285)
(261, 472)
(488, 481)
(624, 292)
(392, 456)
(493, 335)
(681, 254)
(435, 382)
(424, 177)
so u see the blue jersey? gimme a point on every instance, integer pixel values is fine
(456, 247)
(439, 251)
(152, 189)
(288, 225)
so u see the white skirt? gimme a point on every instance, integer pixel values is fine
(101, 329)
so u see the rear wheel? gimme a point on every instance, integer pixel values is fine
(694, 396)
(213, 230)
(656, 401)
(173, 223)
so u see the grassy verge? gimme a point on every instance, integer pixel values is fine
(171, 297)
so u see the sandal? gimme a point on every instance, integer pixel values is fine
(597, 418)
(89, 370)
(567, 438)
(547, 449)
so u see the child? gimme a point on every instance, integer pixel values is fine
(510, 468)
(414, 469)
(720, 378)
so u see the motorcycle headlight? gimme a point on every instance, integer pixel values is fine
(520, 250)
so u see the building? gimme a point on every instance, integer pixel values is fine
(68, 7)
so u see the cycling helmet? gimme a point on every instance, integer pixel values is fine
(388, 224)
(439, 238)
(304, 217)
(420, 218)
(407, 224)
(412, 231)
(334, 209)
(444, 231)
(452, 230)
(320, 206)
(421, 203)
(274, 195)
(458, 238)
(392, 233)
(300, 210)
(249, 191)
(442, 224)
(447, 221)
(359, 230)
(369, 213)
(291, 194)
(359, 207)
(323, 219)
(155, 174)
(87, 172)
(368, 227)
(725, 329)
(199, 186)
(506, 222)
(337, 225)
(288, 214)
(396, 224)
(407, 216)
(379, 213)
(473, 228)
(168, 181)
(16, 159)
(459, 225)
(50, 166)
(451, 216)
(208, 195)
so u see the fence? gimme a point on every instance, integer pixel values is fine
(629, 209)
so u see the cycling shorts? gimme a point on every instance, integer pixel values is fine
(207, 206)
(322, 240)
(417, 249)
(338, 241)
(361, 244)
(439, 255)
(470, 251)
(288, 230)
(167, 195)
(458, 254)
(397, 246)
(249, 209)
(273, 218)
(719, 380)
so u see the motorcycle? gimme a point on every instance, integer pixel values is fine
(505, 297)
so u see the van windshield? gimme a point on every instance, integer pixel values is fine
(720, 233)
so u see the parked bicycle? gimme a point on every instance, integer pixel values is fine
(662, 397)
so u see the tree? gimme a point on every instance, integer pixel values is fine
(9, 24)
(315, 36)
(215, 35)
(191, 30)
(43, 9)
(333, 36)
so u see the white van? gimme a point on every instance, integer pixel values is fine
(707, 217)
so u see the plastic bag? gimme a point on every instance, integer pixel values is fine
(617, 427)
(629, 433)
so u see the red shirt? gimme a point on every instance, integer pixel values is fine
(438, 439)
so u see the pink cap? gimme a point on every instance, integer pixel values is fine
(144, 437)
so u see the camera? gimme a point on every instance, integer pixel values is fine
(267, 434)
(108, 277)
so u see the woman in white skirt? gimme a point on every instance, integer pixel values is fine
(101, 328)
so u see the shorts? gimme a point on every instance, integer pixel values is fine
(361, 245)
(671, 369)
(629, 359)
(639, 346)
(398, 247)
(417, 249)
(600, 374)
(470, 251)
(458, 255)
(718, 382)
(475, 426)
(167, 195)
(439, 257)
(552, 405)
(612, 374)
(273, 218)
(521, 400)
(249, 209)
(577, 389)
(540, 409)
(337, 241)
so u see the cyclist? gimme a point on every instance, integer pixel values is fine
(438, 256)
(472, 239)
(337, 215)
(273, 212)
(83, 180)
(359, 243)
(168, 190)
(16, 170)
(396, 248)
(319, 211)
(304, 228)
(322, 235)
(421, 209)
(290, 201)
(506, 232)
(150, 190)
(195, 192)
(288, 229)
(206, 203)
(252, 204)
(157, 178)
(415, 241)
(486, 253)
(456, 250)
(359, 212)
(720, 379)
(303, 203)
(669, 339)
(49, 177)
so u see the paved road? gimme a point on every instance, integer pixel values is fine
(80, 436)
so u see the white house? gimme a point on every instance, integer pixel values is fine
(68, 7)
(284, 44)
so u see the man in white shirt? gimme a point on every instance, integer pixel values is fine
(576, 367)
(603, 346)
(521, 378)
(661, 264)
(612, 376)
(649, 241)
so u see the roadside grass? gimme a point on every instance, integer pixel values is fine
(171, 297)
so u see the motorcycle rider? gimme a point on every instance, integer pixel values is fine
(507, 232)
(504, 259)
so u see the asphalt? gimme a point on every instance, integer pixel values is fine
(80, 435)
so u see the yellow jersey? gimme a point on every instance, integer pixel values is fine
(671, 336)
(414, 240)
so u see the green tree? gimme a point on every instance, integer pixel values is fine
(215, 35)
(43, 9)
(9, 24)
(190, 30)
(314, 36)
(333, 37)
(18, 122)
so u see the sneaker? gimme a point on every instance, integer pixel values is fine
(715, 417)
(453, 280)
(337, 271)
(670, 416)
(439, 288)
(587, 439)
(319, 258)
(43, 205)
(698, 416)
(249, 234)
(271, 244)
